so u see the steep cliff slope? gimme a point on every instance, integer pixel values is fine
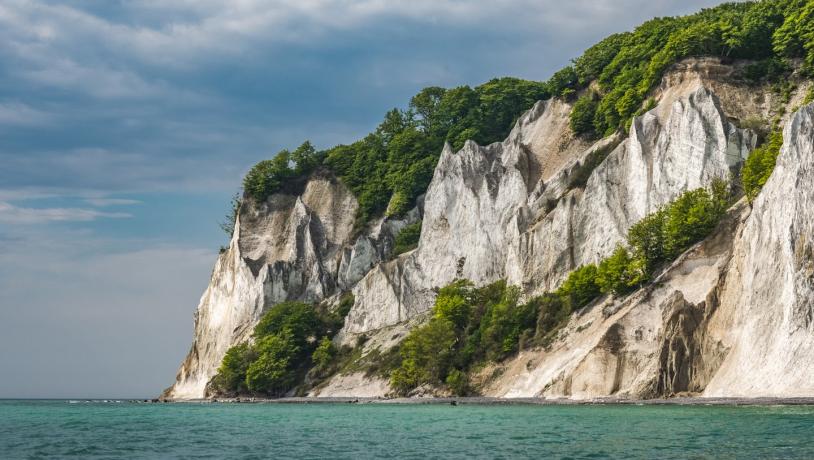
(732, 317)
(286, 248)
(514, 210)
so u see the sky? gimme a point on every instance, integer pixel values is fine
(126, 126)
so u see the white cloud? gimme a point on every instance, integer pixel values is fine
(17, 114)
(103, 202)
(11, 214)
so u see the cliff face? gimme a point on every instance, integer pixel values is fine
(731, 317)
(287, 248)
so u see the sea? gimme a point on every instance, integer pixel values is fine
(119, 429)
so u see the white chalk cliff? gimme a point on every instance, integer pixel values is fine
(731, 317)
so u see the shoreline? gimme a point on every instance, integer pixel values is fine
(486, 401)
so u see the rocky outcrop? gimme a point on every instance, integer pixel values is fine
(290, 247)
(731, 317)
(484, 219)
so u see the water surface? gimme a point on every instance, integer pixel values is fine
(63, 429)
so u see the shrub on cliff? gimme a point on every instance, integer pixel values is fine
(580, 287)
(270, 176)
(288, 339)
(231, 376)
(274, 370)
(759, 165)
(583, 113)
(426, 355)
(407, 238)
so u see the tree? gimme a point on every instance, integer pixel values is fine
(306, 158)
(231, 376)
(268, 176)
(647, 239)
(426, 354)
(759, 166)
(271, 372)
(615, 274)
(580, 287)
(298, 320)
(582, 115)
(323, 354)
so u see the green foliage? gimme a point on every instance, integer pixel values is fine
(273, 370)
(288, 339)
(323, 355)
(268, 176)
(809, 96)
(580, 288)
(299, 320)
(759, 165)
(345, 304)
(458, 382)
(583, 113)
(426, 354)
(618, 274)
(228, 225)
(407, 238)
(691, 217)
(766, 70)
(232, 371)
(553, 311)
(271, 176)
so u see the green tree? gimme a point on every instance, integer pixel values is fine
(231, 376)
(407, 238)
(583, 113)
(297, 319)
(580, 287)
(268, 176)
(426, 354)
(306, 158)
(324, 354)
(759, 166)
(271, 372)
(618, 274)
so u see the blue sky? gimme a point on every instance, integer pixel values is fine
(126, 126)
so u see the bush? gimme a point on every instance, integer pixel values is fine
(618, 274)
(288, 339)
(299, 320)
(231, 374)
(323, 355)
(273, 371)
(766, 70)
(759, 165)
(582, 114)
(407, 239)
(426, 355)
(580, 288)
(458, 383)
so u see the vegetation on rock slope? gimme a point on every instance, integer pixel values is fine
(392, 166)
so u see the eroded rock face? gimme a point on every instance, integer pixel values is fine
(287, 248)
(731, 317)
(483, 220)
(767, 315)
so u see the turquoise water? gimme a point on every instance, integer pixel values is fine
(59, 429)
